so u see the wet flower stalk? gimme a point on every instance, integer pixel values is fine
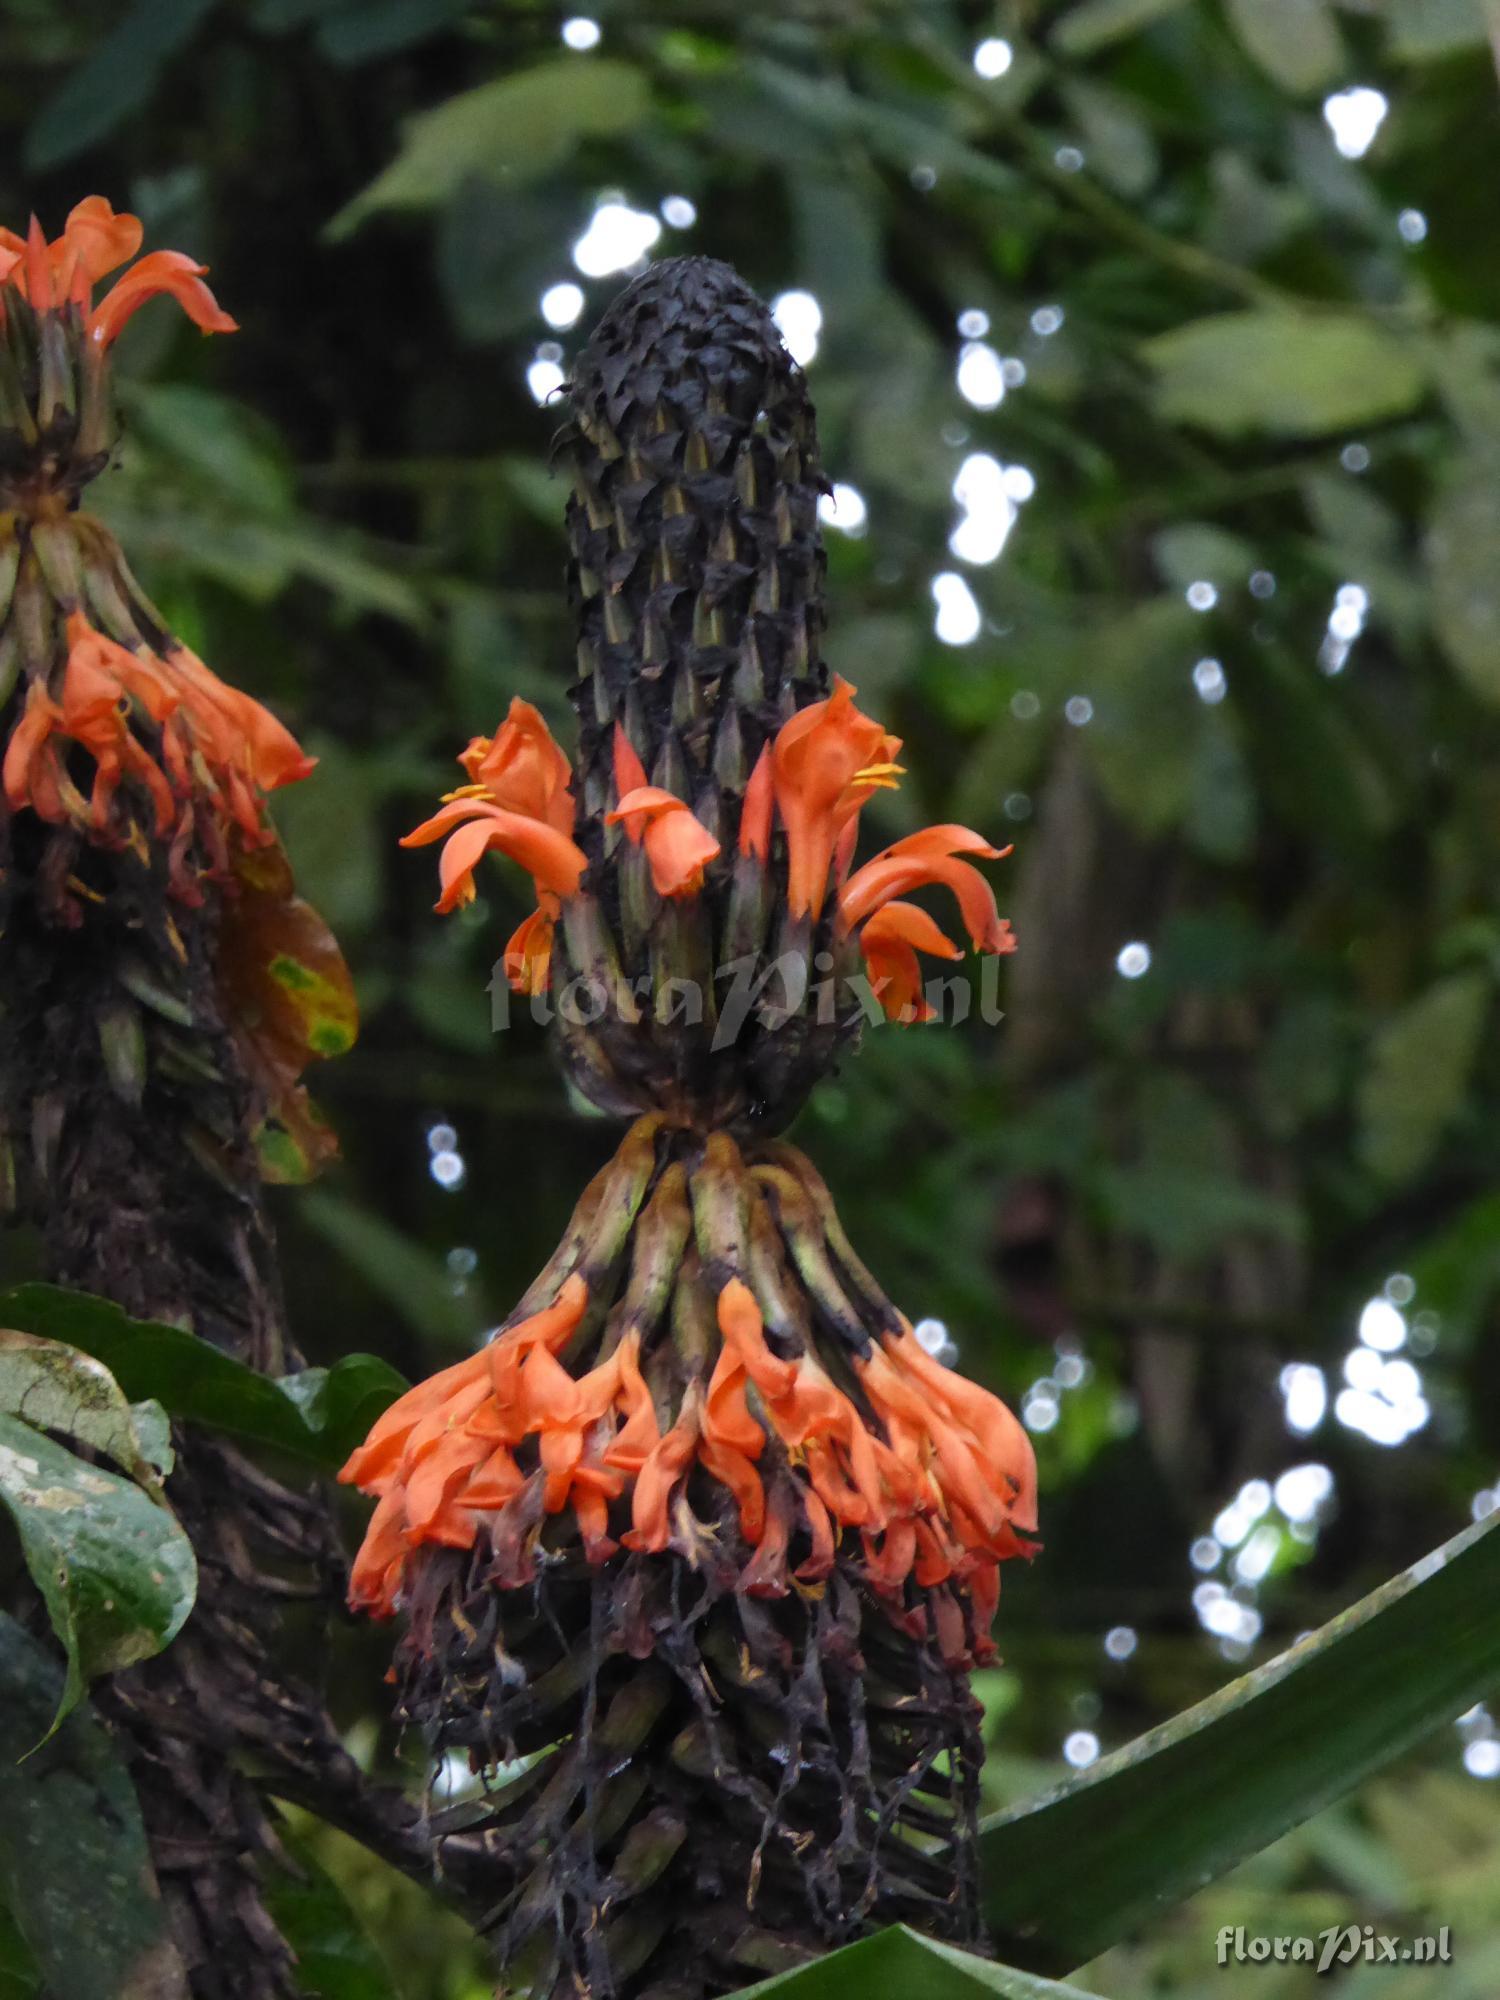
(703, 1533)
(164, 988)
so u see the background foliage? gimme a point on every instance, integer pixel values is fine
(1232, 683)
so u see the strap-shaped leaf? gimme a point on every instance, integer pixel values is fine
(1069, 1874)
(899, 1961)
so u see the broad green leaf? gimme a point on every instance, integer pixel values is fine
(512, 130)
(1096, 23)
(359, 34)
(117, 78)
(1296, 42)
(1142, 740)
(54, 1387)
(1067, 1875)
(1427, 30)
(116, 1570)
(20, 1978)
(75, 1873)
(1419, 1071)
(318, 1415)
(219, 441)
(1196, 551)
(1117, 137)
(1295, 374)
(1465, 579)
(900, 1962)
(336, 1957)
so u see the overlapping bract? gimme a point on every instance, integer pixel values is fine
(709, 1406)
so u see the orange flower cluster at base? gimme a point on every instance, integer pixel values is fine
(166, 722)
(658, 1440)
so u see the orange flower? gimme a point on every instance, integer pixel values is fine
(825, 763)
(94, 242)
(678, 845)
(931, 856)
(519, 803)
(755, 811)
(890, 940)
(212, 738)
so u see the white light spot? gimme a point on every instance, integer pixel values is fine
(1120, 1642)
(1381, 1326)
(677, 212)
(1017, 806)
(1046, 321)
(1400, 1288)
(799, 320)
(1262, 583)
(1019, 482)
(1354, 117)
(989, 512)
(544, 379)
(1013, 371)
(1302, 1490)
(993, 57)
(957, 621)
(1355, 458)
(1068, 160)
(1081, 1748)
(1411, 225)
(581, 33)
(973, 324)
(1039, 1407)
(1255, 1559)
(1205, 1553)
(1201, 596)
(1079, 710)
(1209, 680)
(1132, 960)
(448, 1170)
(1482, 1506)
(1025, 706)
(463, 1262)
(441, 1138)
(844, 508)
(561, 304)
(1071, 1370)
(933, 1338)
(980, 376)
(1482, 1758)
(617, 237)
(1363, 1368)
(923, 179)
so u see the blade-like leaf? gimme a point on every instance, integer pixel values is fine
(336, 1957)
(899, 1961)
(318, 1415)
(75, 1873)
(1070, 1874)
(115, 1568)
(1290, 373)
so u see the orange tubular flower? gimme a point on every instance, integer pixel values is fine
(825, 762)
(519, 803)
(94, 242)
(931, 856)
(890, 940)
(678, 845)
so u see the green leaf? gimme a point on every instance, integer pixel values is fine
(1419, 1071)
(226, 446)
(1117, 138)
(1461, 544)
(1296, 42)
(318, 1415)
(1097, 23)
(359, 34)
(54, 1387)
(118, 77)
(336, 1957)
(1427, 30)
(512, 130)
(75, 1872)
(1067, 1875)
(116, 1570)
(1296, 374)
(900, 1961)
(413, 1280)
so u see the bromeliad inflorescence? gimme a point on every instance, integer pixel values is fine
(705, 1531)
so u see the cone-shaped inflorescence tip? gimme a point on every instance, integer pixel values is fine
(704, 1530)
